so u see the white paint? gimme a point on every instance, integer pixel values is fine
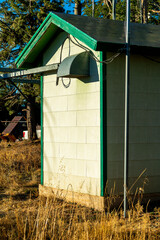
(71, 126)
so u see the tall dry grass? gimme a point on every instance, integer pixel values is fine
(19, 164)
(49, 218)
(53, 219)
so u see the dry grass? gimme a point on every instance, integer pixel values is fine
(23, 215)
(19, 164)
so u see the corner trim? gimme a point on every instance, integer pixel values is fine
(101, 127)
(41, 130)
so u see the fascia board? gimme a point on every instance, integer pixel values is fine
(80, 35)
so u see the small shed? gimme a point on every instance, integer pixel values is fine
(82, 103)
(14, 129)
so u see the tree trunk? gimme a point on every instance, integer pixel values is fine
(144, 11)
(78, 8)
(31, 121)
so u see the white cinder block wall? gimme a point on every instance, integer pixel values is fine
(71, 118)
(144, 121)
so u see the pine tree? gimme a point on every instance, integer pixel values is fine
(78, 7)
(154, 11)
(19, 19)
(3, 95)
(102, 9)
(144, 11)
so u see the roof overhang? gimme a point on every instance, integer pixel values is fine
(97, 34)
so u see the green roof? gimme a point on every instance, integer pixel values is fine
(98, 34)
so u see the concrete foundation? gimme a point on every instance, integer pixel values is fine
(83, 199)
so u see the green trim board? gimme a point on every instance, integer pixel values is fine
(74, 31)
(41, 130)
(103, 130)
(101, 127)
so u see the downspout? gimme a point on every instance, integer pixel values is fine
(41, 130)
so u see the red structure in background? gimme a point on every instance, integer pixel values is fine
(14, 129)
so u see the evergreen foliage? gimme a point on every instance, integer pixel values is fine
(154, 11)
(19, 19)
(103, 9)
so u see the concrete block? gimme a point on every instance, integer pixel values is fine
(145, 134)
(115, 100)
(66, 119)
(115, 152)
(93, 100)
(115, 170)
(51, 164)
(115, 134)
(88, 151)
(77, 102)
(55, 119)
(56, 104)
(115, 117)
(56, 134)
(144, 151)
(48, 90)
(51, 149)
(152, 168)
(84, 101)
(93, 134)
(77, 135)
(68, 150)
(88, 85)
(93, 169)
(88, 118)
(48, 78)
(145, 101)
(72, 183)
(75, 167)
(144, 118)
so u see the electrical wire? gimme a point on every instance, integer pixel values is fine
(92, 55)
(65, 85)
(107, 61)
